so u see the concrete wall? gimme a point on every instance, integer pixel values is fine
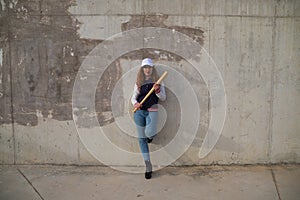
(255, 45)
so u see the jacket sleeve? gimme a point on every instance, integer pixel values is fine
(135, 95)
(162, 94)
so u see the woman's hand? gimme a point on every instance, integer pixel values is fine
(156, 88)
(137, 105)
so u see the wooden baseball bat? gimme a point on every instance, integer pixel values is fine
(152, 89)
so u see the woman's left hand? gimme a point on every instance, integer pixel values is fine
(156, 88)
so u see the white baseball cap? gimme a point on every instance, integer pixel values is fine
(148, 62)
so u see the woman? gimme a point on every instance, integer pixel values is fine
(146, 116)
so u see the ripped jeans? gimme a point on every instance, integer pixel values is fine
(146, 123)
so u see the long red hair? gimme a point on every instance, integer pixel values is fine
(140, 79)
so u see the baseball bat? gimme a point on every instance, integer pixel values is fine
(152, 89)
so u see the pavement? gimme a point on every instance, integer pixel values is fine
(47, 182)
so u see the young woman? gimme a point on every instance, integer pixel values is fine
(146, 116)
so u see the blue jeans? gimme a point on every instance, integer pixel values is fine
(146, 123)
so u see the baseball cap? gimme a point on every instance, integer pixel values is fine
(148, 62)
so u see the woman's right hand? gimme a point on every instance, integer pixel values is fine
(137, 105)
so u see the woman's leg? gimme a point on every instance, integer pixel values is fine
(140, 121)
(140, 118)
(151, 125)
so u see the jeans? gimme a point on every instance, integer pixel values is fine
(146, 123)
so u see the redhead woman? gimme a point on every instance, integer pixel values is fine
(146, 115)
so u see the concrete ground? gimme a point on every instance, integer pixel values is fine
(214, 182)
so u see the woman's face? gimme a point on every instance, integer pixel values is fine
(147, 71)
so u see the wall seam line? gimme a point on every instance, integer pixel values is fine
(272, 91)
(11, 85)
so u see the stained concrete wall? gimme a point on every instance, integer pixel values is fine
(255, 45)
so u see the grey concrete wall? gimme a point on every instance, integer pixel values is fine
(255, 45)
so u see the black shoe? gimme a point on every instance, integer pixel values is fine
(148, 175)
(149, 140)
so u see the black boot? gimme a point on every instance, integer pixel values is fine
(149, 140)
(148, 173)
